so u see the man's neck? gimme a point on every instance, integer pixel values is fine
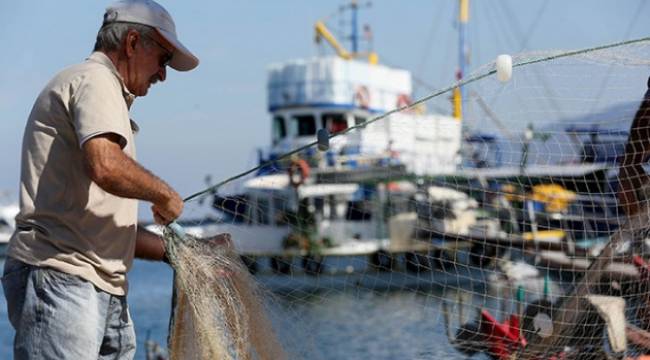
(120, 63)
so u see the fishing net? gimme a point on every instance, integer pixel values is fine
(218, 313)
(409, 235)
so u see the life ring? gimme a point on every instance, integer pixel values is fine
(298, 172)
(362, 97)
(402, 101)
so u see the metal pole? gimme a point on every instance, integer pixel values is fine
(355, 40)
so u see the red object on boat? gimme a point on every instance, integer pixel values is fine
(642, 266)
(503, 338)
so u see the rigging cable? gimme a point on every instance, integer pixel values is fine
(465, 81)
(605, 82)
(549, 95)
(428, 44)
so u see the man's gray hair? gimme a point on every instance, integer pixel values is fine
(111, 35)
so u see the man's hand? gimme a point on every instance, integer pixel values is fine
(168, 210)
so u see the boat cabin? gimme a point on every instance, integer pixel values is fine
(336, 94)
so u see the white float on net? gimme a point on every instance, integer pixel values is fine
(504, 67)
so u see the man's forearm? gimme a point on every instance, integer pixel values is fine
(122, 176)
(118, 174)
(148, 245)
(134, 181)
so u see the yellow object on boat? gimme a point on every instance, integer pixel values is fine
(544, 235)
(511, 193)
(554, 197)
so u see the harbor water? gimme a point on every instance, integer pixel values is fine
(346, 323)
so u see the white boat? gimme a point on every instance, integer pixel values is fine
(345, 201)
(445, 211)
(260, 218)
(273, 219)
(8, 212)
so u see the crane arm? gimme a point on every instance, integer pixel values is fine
(323, 33)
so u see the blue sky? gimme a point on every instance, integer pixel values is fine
(210, 121)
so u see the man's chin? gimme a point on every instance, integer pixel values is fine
(142, 92)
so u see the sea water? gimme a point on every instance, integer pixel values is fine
(347, 323)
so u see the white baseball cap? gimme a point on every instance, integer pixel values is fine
(150, 13)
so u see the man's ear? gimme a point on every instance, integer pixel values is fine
(130, 41)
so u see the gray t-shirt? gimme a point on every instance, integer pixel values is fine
(66, 221)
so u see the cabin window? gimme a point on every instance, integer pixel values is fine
(279, 129)
(262, 211)
(329, 208)
(281, 211)
(358, 211)
(359, 120)
(334, 122)
(304, 125)
(399, 204)
(233, 208)
(340, 209)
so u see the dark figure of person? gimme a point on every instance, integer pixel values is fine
(632, 177)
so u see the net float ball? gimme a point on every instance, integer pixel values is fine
(504, 67)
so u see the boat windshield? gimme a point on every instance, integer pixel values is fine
(304, 125)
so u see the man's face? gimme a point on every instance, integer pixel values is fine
(149, 63)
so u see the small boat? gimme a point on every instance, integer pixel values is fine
(8, 212)
(447, 212)
(325, 228)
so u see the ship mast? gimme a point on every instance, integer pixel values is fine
(355, 37)
(463, 52)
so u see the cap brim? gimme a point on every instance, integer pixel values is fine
(183, 59)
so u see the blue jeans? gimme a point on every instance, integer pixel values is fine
(61, 316)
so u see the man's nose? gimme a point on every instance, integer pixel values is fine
(162, 73)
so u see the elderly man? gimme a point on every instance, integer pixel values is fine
(77, 234)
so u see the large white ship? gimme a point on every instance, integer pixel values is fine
(334, 93)
(355, 198)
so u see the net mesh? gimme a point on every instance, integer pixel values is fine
(218, 313)
(532, 246)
